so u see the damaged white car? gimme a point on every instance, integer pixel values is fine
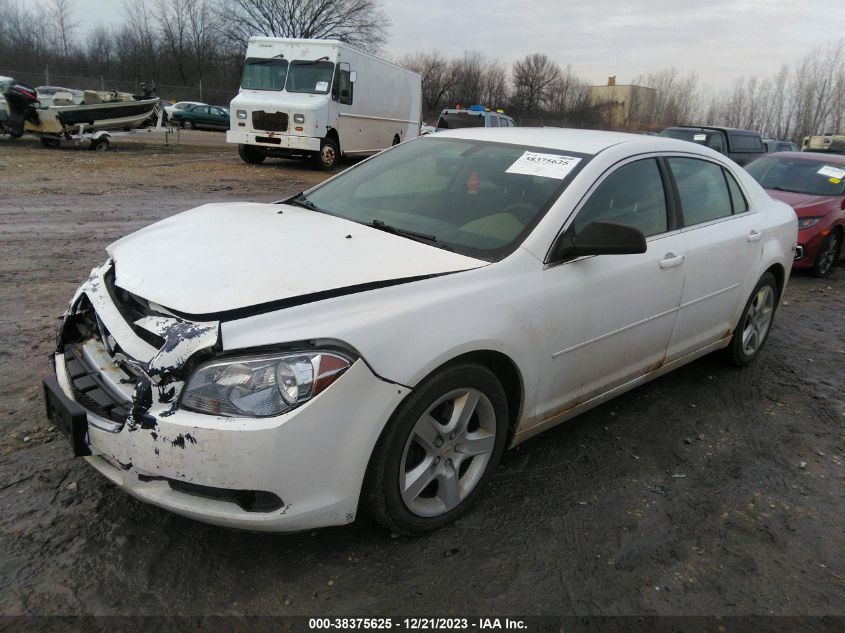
(376, 342)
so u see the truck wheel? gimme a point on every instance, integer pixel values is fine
(251, 155)
(329, 155)
(49, 142)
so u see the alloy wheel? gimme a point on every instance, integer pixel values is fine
(447, 452)
(828, 256)
(758, 320)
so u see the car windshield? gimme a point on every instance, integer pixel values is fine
(799, 175)
(264, 74)
(476, 198)
(314, 77)
(455, 120)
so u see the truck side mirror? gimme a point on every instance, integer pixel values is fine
(353, 77)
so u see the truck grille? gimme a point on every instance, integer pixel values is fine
(270, 121)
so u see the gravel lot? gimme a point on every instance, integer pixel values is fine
(708, 491)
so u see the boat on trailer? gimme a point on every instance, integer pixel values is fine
(64, 119)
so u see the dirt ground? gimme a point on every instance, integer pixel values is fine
(708, 491)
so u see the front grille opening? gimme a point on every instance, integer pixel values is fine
(248, 500)
(89, 390)
(270, 121)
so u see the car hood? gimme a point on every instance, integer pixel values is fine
(224, 257)
(803, 203)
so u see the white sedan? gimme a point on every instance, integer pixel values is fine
(378, 341)
(180, 105)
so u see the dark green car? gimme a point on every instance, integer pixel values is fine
(202, 116)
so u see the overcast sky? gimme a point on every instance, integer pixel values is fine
(718, 39)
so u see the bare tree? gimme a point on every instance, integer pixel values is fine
(61, 17)
(361, 23)
(533, 78)
(437, 79)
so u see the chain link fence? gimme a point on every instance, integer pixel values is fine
(213, 95)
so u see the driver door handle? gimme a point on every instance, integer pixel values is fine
(670, 260)
(754, 235)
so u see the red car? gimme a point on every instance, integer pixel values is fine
(814, 185)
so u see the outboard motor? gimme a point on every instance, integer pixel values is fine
(22, 102)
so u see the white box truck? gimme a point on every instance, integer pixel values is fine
(320, 99)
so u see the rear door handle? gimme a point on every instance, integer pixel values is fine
(754, 235)
(670, 260)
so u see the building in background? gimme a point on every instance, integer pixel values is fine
(622, 107)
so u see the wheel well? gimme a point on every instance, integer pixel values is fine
(779, 274)
(332, 134)
(508, 375)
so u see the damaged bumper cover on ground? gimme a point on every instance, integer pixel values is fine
(127, 369)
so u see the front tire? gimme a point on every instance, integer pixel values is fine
(754, 325)
(828, 255)
(329, 155)
(438, 451)
(251, 155)
(188, 125)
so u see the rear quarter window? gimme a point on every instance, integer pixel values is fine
(746, 143)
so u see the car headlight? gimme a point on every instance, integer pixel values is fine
(299, 118)
(261, 386)
(806, 223)
(241, 114)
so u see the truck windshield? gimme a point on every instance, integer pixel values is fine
(314, 77)
(264, 74)
(455, 120)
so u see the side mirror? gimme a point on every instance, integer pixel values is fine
(353, 77)
(599, 238)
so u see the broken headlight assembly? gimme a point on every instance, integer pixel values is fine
(261, 386)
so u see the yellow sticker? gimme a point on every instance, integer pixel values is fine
(835, 181)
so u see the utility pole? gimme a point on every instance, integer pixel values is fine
(46, 75)
(102, 84)
(200, 89)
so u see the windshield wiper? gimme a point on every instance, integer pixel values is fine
(413, 235)
(786, 190)
(300, 200)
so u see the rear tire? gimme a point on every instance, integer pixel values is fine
(752, 331)
(100, 145)
(437, 451)
(251, 155)
(828, 254)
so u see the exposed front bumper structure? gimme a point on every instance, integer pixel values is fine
(299, 470)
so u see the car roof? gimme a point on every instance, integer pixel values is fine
(572, 140)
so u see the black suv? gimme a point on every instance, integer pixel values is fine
(741, 146)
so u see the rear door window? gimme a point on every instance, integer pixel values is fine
(702, 188)
(632, 195)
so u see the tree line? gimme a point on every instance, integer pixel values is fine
(195, 49)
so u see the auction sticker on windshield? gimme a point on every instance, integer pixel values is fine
(832, 172)
(545, 165)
